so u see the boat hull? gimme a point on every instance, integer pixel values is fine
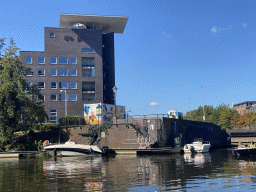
(72, 150)
(196, 148)
(245, 151)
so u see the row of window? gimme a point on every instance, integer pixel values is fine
(63, 97)
(53, 60)
(64, 72)
(62, 60)
(53, 72)
(53, 85)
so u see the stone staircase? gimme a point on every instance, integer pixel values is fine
(144, 139)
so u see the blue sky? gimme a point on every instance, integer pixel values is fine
(168, 50)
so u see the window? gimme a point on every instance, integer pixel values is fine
(53, 85)
(63, 97)
(88, 62)
(53, 60)
(41, 85)
(73, 72)
(63, 85)
(53, 97)
(73, 97)
(73, 85)
(63, 60)
(52, 34)
(40, 72)
(73, 61)
(53, 72)
(88, 50)
(29, 84)
(28, 60)
(53, 116)
(40, 60)
(63, 72)
(41, 97)
(29, 73)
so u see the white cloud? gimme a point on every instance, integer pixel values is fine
(244, 25)
(154, 104)
(215, 30)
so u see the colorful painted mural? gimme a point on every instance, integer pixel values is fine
(102, 113)
(174, 114)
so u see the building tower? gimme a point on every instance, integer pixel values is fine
(78, 64)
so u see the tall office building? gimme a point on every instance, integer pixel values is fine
(78, 64)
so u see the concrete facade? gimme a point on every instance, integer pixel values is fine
(87, 76)
(163, 132)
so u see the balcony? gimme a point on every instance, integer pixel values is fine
(88, 66)
(88, 62)
(88, 72)
(89, 89)
(88, 97)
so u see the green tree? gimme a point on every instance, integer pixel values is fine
(18, 100)
(235, 121)
(247, 120)
(225, 118)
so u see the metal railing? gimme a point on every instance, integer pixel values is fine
(88, 65)
(90, 88)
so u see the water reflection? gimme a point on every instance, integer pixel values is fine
(85, 171)
(198, 159)
(217, 170)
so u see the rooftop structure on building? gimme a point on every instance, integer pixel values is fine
(245, 107)
(78, 64)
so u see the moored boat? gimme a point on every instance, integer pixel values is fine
(245, 151)
(198, 146)
(70, 148)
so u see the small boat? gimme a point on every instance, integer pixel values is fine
(70, 148)
(198, 146)
(245, 151)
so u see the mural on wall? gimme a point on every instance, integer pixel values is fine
(101, 114)
(174, 114)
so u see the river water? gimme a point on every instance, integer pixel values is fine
(218, 170)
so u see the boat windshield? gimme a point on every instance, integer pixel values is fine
(70, 140)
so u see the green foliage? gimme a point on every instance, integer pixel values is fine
(43, 127)
(224, 116)
(72, 120)
(97, 129)
(18, 101)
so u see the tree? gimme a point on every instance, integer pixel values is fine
(18, 100)
(221, 115)
(247, 120)
(226, 116)
(235, 120)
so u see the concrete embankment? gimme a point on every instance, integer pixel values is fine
(18, 154)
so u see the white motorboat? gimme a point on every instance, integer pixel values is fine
(70, 148)
(198, 146)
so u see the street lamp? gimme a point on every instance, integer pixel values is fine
(114, 91)
(128, 115)
(189, 110)
(203, 103)
(66, 110)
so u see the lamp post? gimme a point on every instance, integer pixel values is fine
(203, 103)
(66, 110)
(128, 115)
(189, 110)
(114, 91)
